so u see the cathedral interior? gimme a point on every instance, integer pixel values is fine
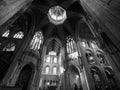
(59, 44)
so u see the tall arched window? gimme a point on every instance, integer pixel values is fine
(47, 69)
(6, 33)
(54, 70)
(9, 47)
(48, 59)
(55, 59)
(97, 79)
(36, 41)
(71, 48)
(19, 35)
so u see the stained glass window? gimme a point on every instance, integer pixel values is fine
(6, 34)
(36, 41)
(19, 35)
(47, 68)
(71, 48)
(54, 70)
(71, 45)
(94, 44)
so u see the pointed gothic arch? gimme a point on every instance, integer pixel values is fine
(36, 41)
(74, 78)
(83, 30)
(112, 81)
(98, 77)
(24, 78)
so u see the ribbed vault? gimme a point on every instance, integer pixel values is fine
(73, 10)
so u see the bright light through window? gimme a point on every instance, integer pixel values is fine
(54, 70)
(71, 45)
(19, 35)
(36, 41)
(52, 53)
(57, 15)
(47, 69)
(55, 59)
(6, 34)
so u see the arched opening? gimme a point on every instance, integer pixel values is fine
(11, 40)
(97, 77)
(84, 30)
(54, 70)
(24, 77)
(75, 87)
(111, 80)
(73, 78)
(47, 70)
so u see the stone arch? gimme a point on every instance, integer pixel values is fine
(75, 78)
(25, 77)
(111, 78)
(97, 77)
(83, 30)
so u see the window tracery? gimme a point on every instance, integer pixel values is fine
(6, 33)
(36, 41)
(71, 48)
(19, 35)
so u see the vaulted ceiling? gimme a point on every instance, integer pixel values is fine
(73, 10)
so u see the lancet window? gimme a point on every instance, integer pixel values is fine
(47, 69)
(71, 48)
(19, 35)
(6, 33)
(36, 41)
